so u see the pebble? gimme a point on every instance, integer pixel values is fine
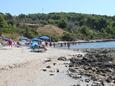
(51, 74)
(57, 70)
(87, 80)
(48, 66)
(54, 64)
(44, 70)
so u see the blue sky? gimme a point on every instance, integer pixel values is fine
(15, 7)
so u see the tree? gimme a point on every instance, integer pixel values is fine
(3, 23)
(62, 23)
(67, 37)
(87, 32)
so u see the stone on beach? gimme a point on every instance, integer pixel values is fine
(96, 64)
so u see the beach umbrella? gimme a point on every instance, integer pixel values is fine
(36, 39)
(44, 38)
(7, 39)
(24, 38)
(2, 36)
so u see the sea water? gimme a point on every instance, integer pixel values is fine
(110, 44)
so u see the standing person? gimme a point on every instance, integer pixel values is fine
(65, 44)
(44, 45)
(10, 43)
(68, 45)
(54, 44)
(50, 44)
(61, 45)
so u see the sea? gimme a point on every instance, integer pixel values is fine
(108, 44)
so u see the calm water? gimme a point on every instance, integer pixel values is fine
(110, 44)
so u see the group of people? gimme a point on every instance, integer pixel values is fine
(65, 44)
(9, 43)
(42, 44)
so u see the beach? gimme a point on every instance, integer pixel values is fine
(57, 67)
(10, 56)
(21, 67)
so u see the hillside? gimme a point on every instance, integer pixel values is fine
(50, 30)
(76, 25)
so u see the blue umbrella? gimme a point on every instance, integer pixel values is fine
(36, 39)
(44, 38)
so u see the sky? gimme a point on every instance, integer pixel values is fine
(16, 7)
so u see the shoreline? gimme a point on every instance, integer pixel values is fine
(87, 41)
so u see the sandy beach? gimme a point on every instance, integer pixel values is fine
(21, 67)
(57, 67)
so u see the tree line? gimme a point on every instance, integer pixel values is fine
(75, 25)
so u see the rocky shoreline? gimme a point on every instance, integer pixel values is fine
(97, 66)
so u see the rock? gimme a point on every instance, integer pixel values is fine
(54, 64)
(48, 60)
(113, 77)
(96, 64)
(48, 66)
(44, 70)
(77, 85)
(87, 85)
(51, 74)
(66, 66)
(109, 79)
(10, 67)
(79, 55)
(94, 78)
(51, 71)
(77, 76)
(87, 80)
(72, 70)
(96, 83)
(71, 65)
(57, 70)
(114, 81)
(62, 59)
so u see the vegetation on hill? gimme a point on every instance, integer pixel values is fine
(73, 25)
(53, 31)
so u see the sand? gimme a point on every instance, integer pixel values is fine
(21, 67)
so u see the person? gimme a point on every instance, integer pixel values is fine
(61, 45)
(10, 43)
(68, 45)
(65, 44)
(43, 44)
(50, 44)
(54, 44)
(46, 43)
